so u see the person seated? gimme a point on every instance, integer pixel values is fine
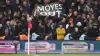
(23, 36)
(2, 37)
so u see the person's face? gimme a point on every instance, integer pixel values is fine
(99, 18)
(60, 26)
(83, 16)
(39, 1)
(6, 32)
(5, 13)
(90, 21)
(51, 21)
(75, 13)
(88, 16)
(9, 12)
(62, 1)
(0, 16)
(84, 10)
(92, 16)
(8, 23)
(70, 21)
(82, 1)
(46, 1)
(25, 3)
(8, 2)
(79, 16)
(63, 20)
(73, 4)
(17, 1)
(96, 2)
(91, 10)
(22, 18)
(21, 8)
(76, 29)
(71, 25)
(70, 10)
(0, 26)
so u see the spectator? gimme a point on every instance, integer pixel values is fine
(84, 35)
(34, 36)
(76, 34)
(68, 36)
(93, 32)
(41, 30)
(9, 31)
(2, 37)
(23, 36)
(60, 32)
(99, 23)
(63, 22)
(71, 25)
(1, 29)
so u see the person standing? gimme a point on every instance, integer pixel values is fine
(60, 32)
(9, 31)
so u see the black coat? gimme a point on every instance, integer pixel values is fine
(93, 33)
(76, 35)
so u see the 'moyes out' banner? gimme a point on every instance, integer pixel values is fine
(50, 9)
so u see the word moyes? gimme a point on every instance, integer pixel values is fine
(50, 10)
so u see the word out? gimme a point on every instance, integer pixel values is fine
(50, 10)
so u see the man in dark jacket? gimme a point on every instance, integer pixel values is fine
(9, 31)
(76, 34)
(93, 32)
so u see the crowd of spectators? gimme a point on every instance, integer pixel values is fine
(80, 20)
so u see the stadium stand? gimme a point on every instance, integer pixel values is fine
(80, 20)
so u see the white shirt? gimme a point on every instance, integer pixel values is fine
(34, 36)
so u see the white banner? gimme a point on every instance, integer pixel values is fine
(74, 47)
(39, 47)
(50, 9)
(7, 46)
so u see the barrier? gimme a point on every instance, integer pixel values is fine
(6, 47)
(51, 46)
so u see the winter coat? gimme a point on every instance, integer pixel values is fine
(60, 33)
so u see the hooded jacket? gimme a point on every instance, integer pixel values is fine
(60, 33)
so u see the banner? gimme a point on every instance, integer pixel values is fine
(41, 47)
(54, 46)
(51, 46)
(52, 9)
(74, 47)
(7, 47)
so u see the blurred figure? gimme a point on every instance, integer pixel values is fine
(63, 22)
(60, 32)
(9, 31)
(41, 30)
(84, 35)
(2, 37)
(93, 32)
(76, 34)
(46, 1)
(23, 36)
